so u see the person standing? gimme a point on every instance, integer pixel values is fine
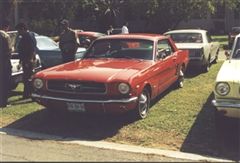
(68, 42)
(26, 49)
(125, 28)
(5, 64)
(110, 30)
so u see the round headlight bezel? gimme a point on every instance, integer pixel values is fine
(222, 86)
(38, 83)
(123, 88)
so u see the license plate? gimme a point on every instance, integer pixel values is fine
(77, 107)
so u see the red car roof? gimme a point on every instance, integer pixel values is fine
(146, 36)
(90, 33)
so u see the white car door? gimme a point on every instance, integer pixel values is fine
(214, 47)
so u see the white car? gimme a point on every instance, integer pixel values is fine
(17, 72)
(202, 50)
(227, 85)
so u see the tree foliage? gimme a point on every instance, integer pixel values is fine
(157, 15)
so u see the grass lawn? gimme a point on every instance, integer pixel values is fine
(180, 119)
(222, 39)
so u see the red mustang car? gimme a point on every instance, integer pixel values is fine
(118, 73)
(87, 37)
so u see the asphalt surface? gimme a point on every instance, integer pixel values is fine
(19, 145)
(21, 149)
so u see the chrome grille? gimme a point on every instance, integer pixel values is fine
(81, 87)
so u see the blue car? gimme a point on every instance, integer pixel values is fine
(47, 49)
(49, 52)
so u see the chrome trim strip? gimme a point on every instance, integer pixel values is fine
(128, 100)
(71, 92)
(230, 104)
(17, 73)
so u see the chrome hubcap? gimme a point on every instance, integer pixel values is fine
(143, 104)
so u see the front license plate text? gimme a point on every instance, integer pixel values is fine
(77, 107)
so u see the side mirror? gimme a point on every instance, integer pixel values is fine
(227, 54)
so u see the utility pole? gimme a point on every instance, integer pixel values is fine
(16, 15)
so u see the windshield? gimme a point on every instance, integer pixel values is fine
(121, 48)
(236, 50)
(235, 30)
(186, 37)
(45, 43)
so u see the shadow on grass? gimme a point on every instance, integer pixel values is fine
(203, 137)
(192, 72)
(72, 125)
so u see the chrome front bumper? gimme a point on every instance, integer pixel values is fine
(229, 108)
(127, 100)
(227, 104)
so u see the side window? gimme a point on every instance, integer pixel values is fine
(164, 49)
(209, 39)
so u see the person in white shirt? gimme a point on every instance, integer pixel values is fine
(125, 28)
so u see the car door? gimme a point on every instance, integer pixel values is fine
(167, 64)
(213, 47)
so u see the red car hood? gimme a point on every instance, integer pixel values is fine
(101, 70)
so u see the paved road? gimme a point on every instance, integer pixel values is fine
(20, 149)
(19, 145)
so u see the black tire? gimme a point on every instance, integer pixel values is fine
(143, 106)
(206, 66)
(180, 81)
(216, 57)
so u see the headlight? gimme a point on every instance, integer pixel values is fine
(38, 83)
(123, 88)
(222, 89)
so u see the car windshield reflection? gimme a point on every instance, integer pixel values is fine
(44, 43)
(119, 48)
(187, 37)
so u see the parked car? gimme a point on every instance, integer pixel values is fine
(50, 53)
(17, 72)
(118, 73)
(232, 34)
(48, 50)
(202, 50)
(227, 85)
(87, 37)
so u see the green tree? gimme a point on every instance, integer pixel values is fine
(161, 15)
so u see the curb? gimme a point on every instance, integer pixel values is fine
(112, 146)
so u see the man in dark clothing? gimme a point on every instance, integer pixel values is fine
(26, 50)
(68, 42)
(5, 64)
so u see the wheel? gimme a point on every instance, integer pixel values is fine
(180, 80)
(143, 106)
(216, 57)
(206, 66)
